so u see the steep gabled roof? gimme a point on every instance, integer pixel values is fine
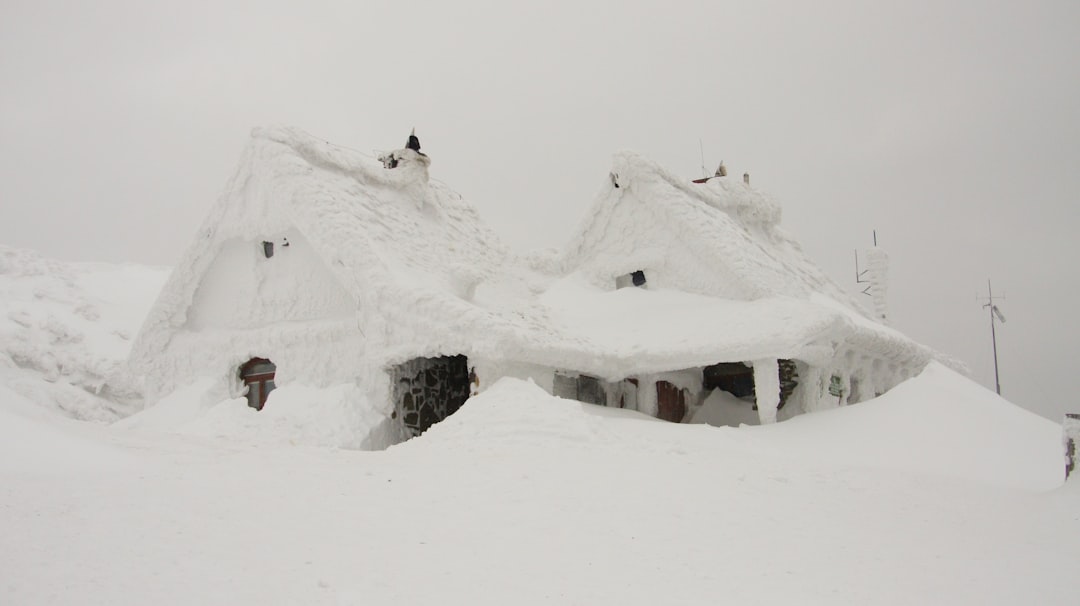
(383, 233)
(412, 252)
(763, 295)
(728, 226)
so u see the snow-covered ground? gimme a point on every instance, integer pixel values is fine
(938, 492)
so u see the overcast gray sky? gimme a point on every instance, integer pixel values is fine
(951, 127)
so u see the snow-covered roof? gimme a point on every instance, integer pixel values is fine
(383, 233)
(725, 282)
(729, 228)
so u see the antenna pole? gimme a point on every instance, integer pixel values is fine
(993, 336)
(701, 147)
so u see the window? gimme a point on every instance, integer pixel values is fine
(582, 388)
(258, 375)
(634, 278)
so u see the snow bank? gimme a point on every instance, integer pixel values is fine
(70, 324)
(937, 423)
(36, 441)
(339, 416)
(522, 498)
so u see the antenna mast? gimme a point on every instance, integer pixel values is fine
(994, 313)
(701, 147)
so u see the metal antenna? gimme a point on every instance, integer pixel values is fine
(701, 146)
(859, 274)
(994, 313)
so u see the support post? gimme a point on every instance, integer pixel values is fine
(767, 389)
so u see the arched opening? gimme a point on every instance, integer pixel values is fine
(258, 375)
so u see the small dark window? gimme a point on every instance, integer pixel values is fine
(258, 375)
(582, 388)
(268, 249)
(590, 391)
(636, 278)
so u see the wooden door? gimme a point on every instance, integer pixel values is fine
(671, 402)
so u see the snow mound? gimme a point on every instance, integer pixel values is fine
(513, 413)
(65, 328)
(335, 417)
(37, 441)
(939, 424)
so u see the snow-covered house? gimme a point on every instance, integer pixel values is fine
(325, 268)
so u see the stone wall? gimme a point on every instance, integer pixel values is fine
(427, 390)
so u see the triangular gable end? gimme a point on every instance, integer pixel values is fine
(720, 238)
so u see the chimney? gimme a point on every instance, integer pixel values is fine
(746, 178)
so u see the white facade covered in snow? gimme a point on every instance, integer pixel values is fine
(323, 274)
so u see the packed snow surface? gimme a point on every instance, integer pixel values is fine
(939, 492)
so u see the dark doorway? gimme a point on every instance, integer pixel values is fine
(735, 378)
(258, 375)
(671, 402)
(427, 390)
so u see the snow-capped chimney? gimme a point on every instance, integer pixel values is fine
(746, 178)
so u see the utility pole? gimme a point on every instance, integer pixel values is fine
(994, 312)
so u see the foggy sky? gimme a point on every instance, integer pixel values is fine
(950, 127)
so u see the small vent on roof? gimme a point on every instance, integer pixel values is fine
(268, 249)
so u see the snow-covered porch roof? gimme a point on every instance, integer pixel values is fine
(632, 331)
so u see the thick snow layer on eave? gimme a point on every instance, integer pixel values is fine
(872, 337)
(632, 330)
